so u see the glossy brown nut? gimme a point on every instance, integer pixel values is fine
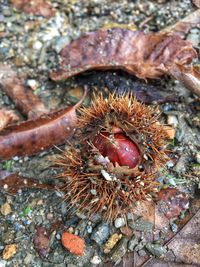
(118, 148)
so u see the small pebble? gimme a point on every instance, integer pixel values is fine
(37, 45)
(95, 260)
(9, 251)
(49, 216)
(119, 251)
(132, 243)
(172, 120)
(156, 249)
(140, 245)
(40, 202)
(73, 243)
(58, 236)
(119, 222)
(198, 158)
(101, 233)
(71, 230)
(3, 263)
(6, 209)
(130, 216)
(111, 242)
(141, 225)
(89, 229)
(33, 84)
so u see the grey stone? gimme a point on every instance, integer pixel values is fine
(119, 250)
(96, 218)
(8, 237)
(81, 226)
(39, 219)
(140, 245)
(156, 249)
(132, 243)
(141, 225)
(130, 216)
(101, 233)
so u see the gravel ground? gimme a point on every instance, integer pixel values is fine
(30, 45)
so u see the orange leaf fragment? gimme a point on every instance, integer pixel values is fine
(73, 243)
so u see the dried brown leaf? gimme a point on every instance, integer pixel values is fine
(189, 219)
(186, 246)
(36, 7)
(144, 55)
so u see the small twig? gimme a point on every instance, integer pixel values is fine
(145, 21)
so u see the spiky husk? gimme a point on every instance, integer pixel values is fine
(93, 183)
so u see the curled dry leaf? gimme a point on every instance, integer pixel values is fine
(144, 55)
(33, 136)
(36, 7)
